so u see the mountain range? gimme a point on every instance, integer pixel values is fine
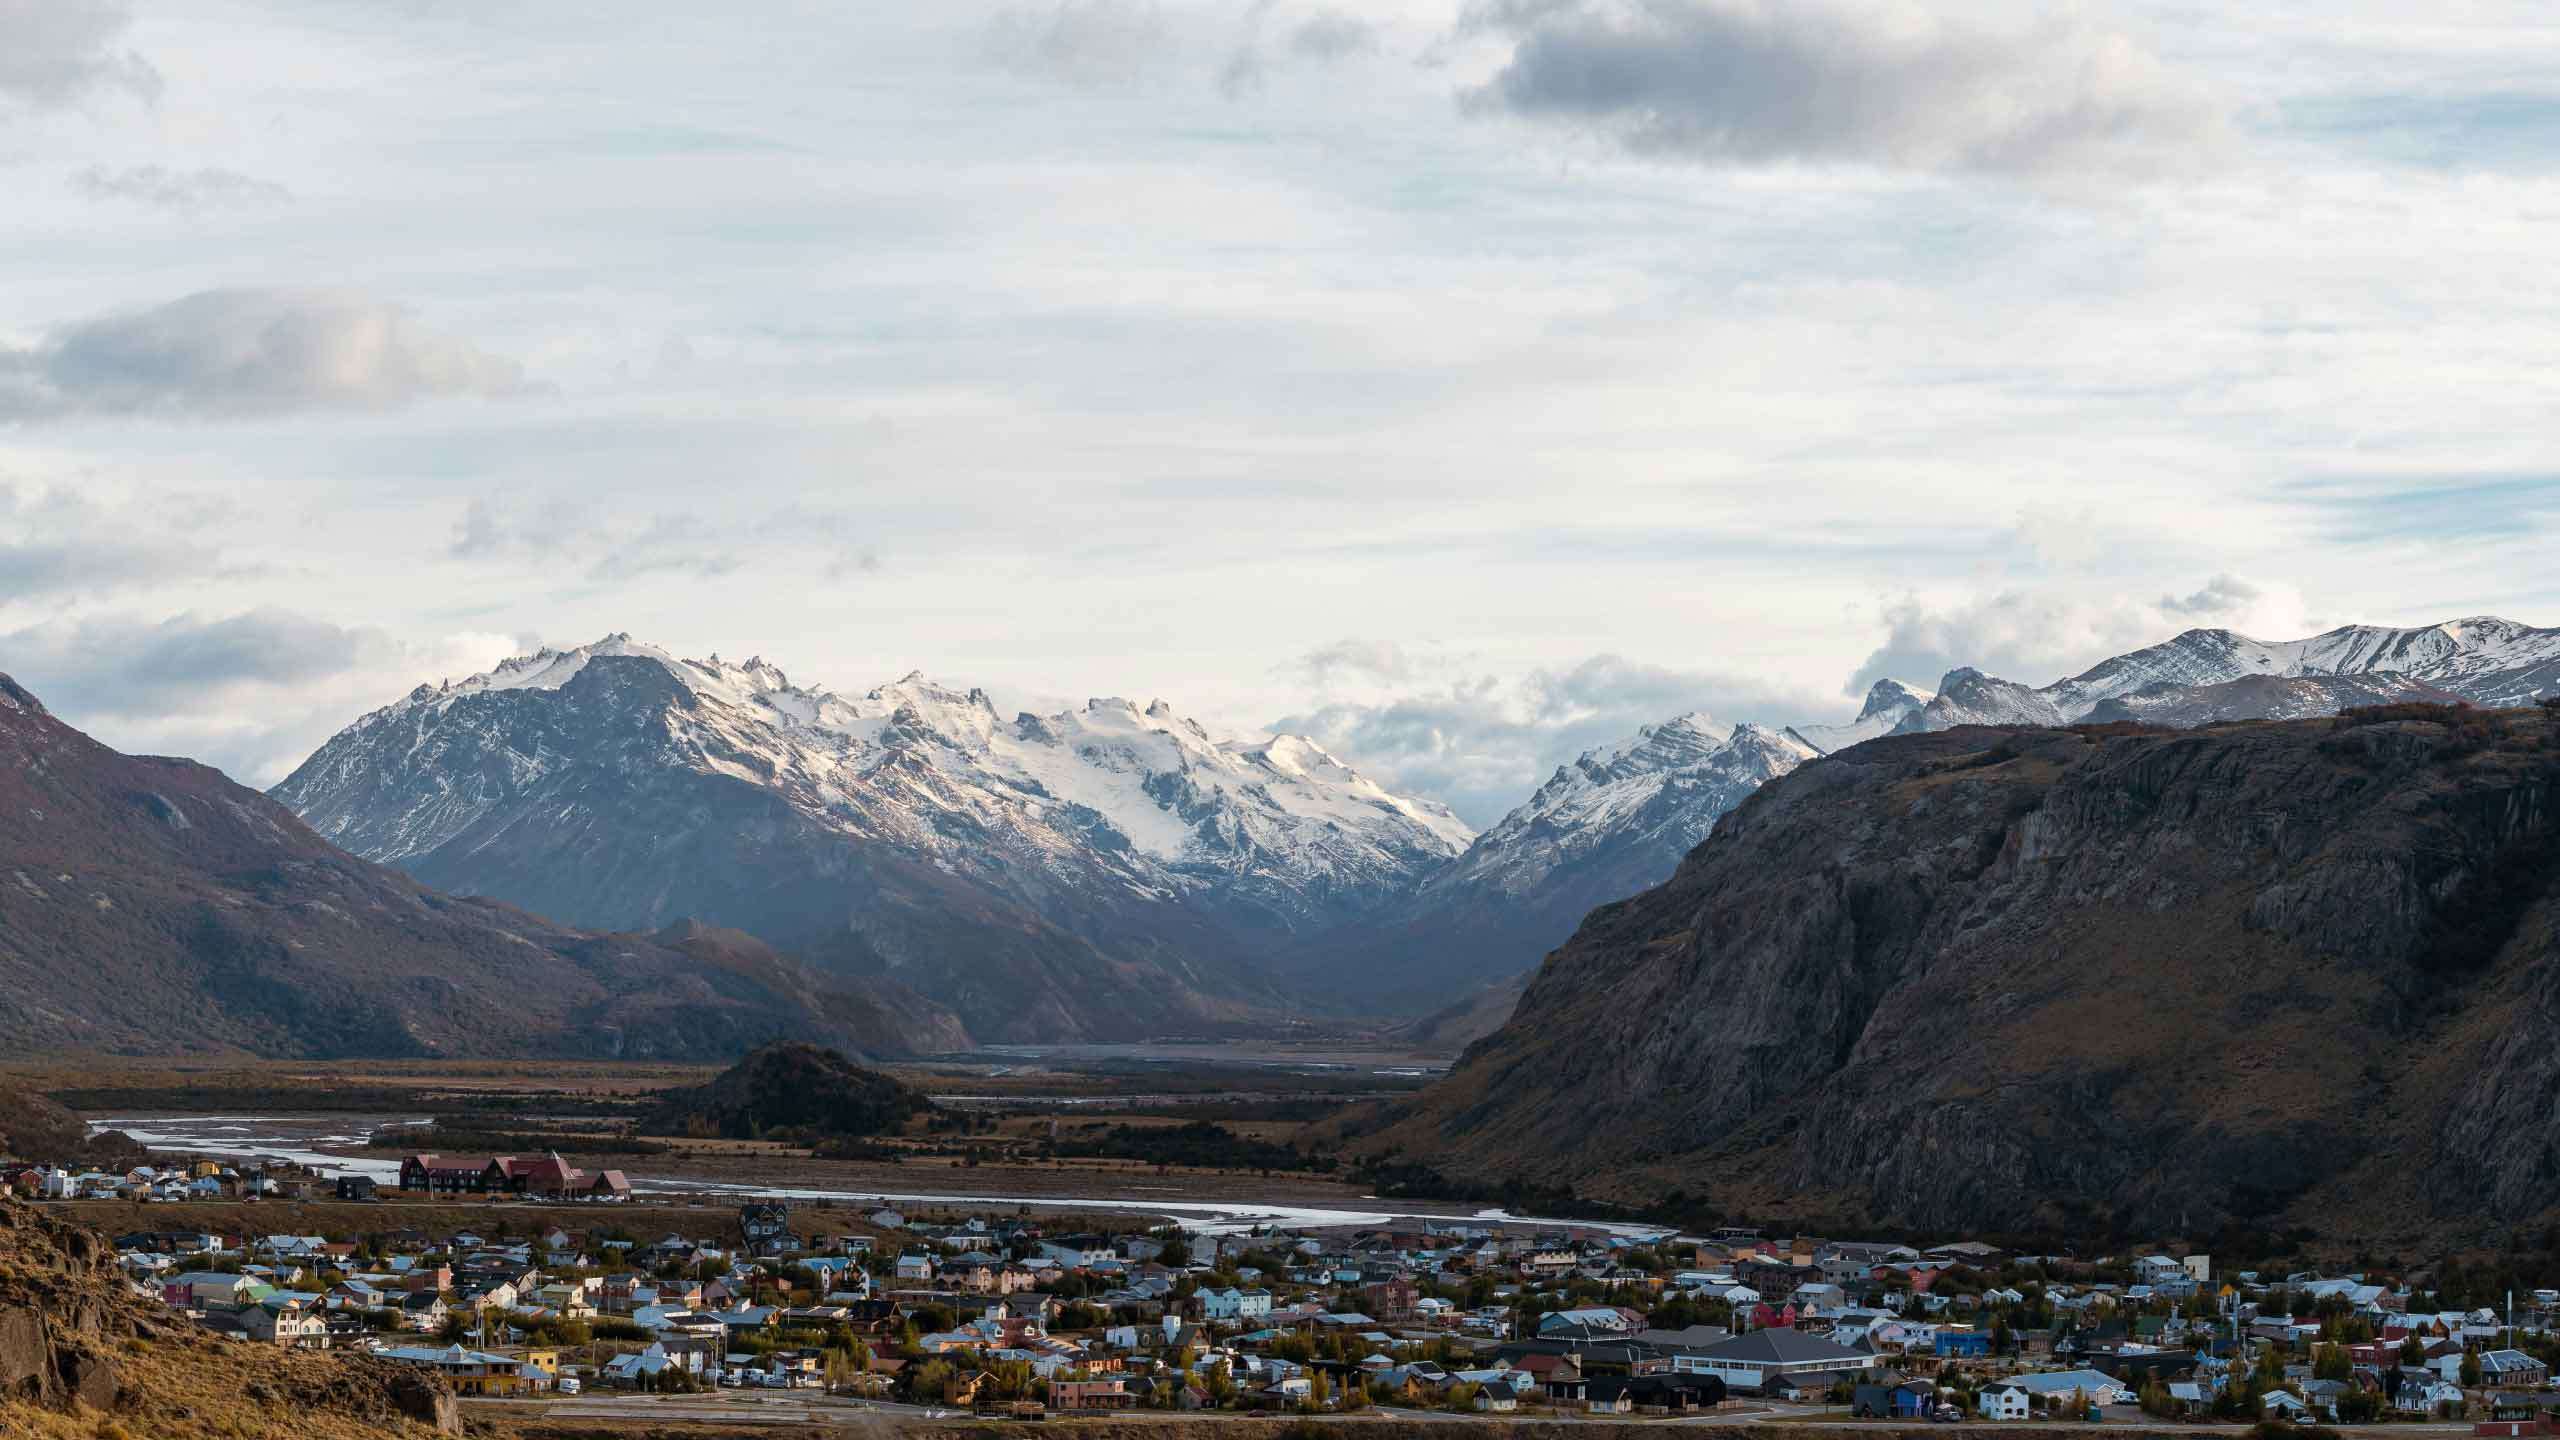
(1107, 872)
(2068, 980)
(1115, 871)
(720, 857)
(152, 906)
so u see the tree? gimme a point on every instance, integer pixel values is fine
(2155, 1400)
(2470, 1369)
(2411, 1352)
(2330, 1362)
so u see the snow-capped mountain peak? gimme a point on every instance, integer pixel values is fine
(1888, 704)
(1108, 801)
(2486, 659)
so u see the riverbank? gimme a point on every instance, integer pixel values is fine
(1208, 1202)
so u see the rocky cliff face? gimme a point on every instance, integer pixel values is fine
(2020, 976)
(78, 1348)
(152, 906)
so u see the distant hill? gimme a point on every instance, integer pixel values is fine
(36, 1127)
(796, 1092)
(152, 906)
(2274, 973)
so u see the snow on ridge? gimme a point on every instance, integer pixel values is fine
(915, 762)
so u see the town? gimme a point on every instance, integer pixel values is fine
(1017, 1315)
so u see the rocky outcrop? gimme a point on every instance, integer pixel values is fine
(74, 1339)
(2025, 977)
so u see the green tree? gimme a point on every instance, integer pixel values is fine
(2470, 1369)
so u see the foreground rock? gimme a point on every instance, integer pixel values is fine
(75, 1343)
(2022, 977)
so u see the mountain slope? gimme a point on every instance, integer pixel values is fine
(2265, 697)
(2305, 970)
(152, 906)
(1611, 823)
(1108, 872)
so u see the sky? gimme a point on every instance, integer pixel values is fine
(1461, 382)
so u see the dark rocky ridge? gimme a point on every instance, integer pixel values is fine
(2025, 977)
(152, 906)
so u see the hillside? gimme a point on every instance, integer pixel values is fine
(791, 1091)
(2017, 976)
(76, 1347)
(1112, 871)
(151, 906)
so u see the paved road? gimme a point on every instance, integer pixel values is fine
(749, 1409)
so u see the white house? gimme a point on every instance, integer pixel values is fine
(2005, 1401)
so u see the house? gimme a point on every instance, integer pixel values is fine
(350, 1187)
(2094, 1387)
(469, 1372)
(1234, 1305)
(1083, 1397)
(2424, 1393)
(1961, 1344)
(1655, 1394)
(647, 1365)
(292, 1326)
(1748, 1362)
(423, 1310)
(2511, 1368)
(2004, 1400)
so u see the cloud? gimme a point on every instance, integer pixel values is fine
(253, 693)
(1480, 742)
(57, 52)
(63, 541)
(183, 191)
(2037, 636)
(1321, 37)
(560, 536)
(1891, 83)
(2222, 595)
(1081, 42)
(668, 545)
(1378, 660)
(226, 353)
(1332, 35)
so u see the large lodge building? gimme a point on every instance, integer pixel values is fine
(544, 1177)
